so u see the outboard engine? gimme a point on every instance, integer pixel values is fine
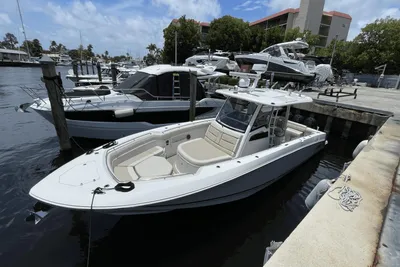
(324, 72)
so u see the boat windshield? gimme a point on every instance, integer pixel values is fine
(236, 114)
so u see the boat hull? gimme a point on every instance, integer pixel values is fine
(281, 72)
(236, 189)
(104, 130)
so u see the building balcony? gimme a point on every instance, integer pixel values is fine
(324, 30)
(326, 20)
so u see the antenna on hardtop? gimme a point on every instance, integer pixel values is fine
(245, 78)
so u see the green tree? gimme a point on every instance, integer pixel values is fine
(9, 41)
(106, 54)
(257, 38)
(53, 46)
(378, 44)
(229, 34)
(274, 35)
(154, 56)
(90, 51)
(35, 48)
(61, 48)
(188, 35)
(75, 54)
(311, 39)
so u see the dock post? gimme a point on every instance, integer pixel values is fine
(87, 68)
(193, 93)
(98, 70)
(53, 86)
(397, 83)
(92, 67)
(75, 69)
(114, 74)
(346, 129)
(328, 124)
(80, 61)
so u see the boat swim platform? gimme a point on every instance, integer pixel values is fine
(368, 236)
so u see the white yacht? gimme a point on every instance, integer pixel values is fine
(221, 63)
(152, 97)
(248, 146)
(284, 61)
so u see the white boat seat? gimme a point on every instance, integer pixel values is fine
(153, 167)
(154, 151)
(200, 152)
(294, 132)
(125, 174)
(218, 144)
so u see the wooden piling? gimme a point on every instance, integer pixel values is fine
(92, 67)
(328, 124)
(87, 68)
(193, 89)
(346, 129)
(75, 69)
(98, 71)
(114, 74)
(80, 62)
(53, 86)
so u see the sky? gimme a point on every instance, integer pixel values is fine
(122, 26)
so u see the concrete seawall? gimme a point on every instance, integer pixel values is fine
(330, 236)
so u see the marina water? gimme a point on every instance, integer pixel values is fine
(233, 234)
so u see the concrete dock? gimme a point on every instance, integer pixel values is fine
(368, 236)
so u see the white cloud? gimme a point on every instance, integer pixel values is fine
(197, 9)
(243, 5)
(123, 26)
(364, 11)
(4, 19)
(252, 8)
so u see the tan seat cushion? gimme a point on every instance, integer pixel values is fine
(154, 151)
(223, 138)
(125, 174)
(152, 167)
(200, 152)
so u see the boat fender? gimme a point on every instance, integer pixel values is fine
(122, 113)
(124, 187)
(316, 194)
(360, 147)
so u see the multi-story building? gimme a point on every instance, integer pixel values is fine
(310, 16)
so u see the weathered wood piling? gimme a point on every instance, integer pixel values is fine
(193, 89)
(54, 88)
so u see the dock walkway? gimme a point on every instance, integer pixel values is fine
(368, 236)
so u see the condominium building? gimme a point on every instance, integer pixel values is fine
(310, 16)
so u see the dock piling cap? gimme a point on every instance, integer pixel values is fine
(46, 60)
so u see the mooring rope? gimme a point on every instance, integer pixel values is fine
(349, 199)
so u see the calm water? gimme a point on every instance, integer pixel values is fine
(234, 234)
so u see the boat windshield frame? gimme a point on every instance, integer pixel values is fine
(236, 114)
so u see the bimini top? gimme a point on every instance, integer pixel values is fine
(276, 98)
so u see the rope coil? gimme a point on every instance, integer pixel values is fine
(348, 199)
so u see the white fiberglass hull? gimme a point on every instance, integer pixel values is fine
(212, 185)
(239, 188)
(109, 130)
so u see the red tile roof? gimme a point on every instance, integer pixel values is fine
(283, 12)
(296, 10)
(337, 14)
